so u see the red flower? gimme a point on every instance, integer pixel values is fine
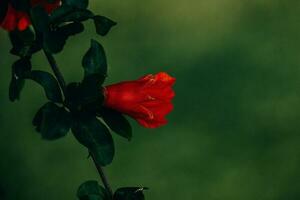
(148, 99)
(19, 19)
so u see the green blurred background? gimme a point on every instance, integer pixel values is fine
(234, 132)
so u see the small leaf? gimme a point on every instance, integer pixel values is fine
(96, 137)
(116, 122)
(19, 68)
(103, 24)
(77, 3)
(130, 193)
(23, 42)
(59, 13)
(94, 61)
(15, 88)
(48, 82)
(40, 18)
(52, 122)
(54, 41)
(91, 190)
(83, 97)
(66, 13)
(71, 29)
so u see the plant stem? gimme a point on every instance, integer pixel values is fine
(103, 178)
(62, 84)
(56, 71)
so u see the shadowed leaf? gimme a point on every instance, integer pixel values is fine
(40, 19)
(130, 193)
(77, 3)
(54, 41)
(48, 82)
(19, 68)
(96, 137)
(91, 190)
(117, 122)
(94, 61)
(52, 122)
(103, 24)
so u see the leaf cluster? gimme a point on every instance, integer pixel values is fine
(78, 107)
(91, 190)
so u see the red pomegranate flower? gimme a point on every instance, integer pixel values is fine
(19, 19)
(147, 100)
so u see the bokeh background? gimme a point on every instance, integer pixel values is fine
(234, 133)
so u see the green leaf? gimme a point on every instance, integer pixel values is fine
(94, 61)
(40, 18)
(77, 3)
(130, 193)
(59, 13)
(71, 29)
(52, 122)
(19, 68)
(116, 122)
(103, 24)
(66, 13)
(48, 82)
(83, 97)
(91, 190)
(23, 42)
(96, 137)
(54, 41)
(15, 88)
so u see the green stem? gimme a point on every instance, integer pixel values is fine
(103, 178)
(62, 84)
(56, 71)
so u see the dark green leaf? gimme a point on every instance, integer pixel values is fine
(84, 97)
(54, 41)
(130, 193)
(15, 88)
(96, 137)
(91, 190)
(77, 3)
(117, 122)
(78, 16)
(48, 82)
(52, 122)
(91, 94)
(19, 68)
(59, 13)
(40, 19)
(103, 24)
(66, 13)
(23, 42)
(71, 29)
(94, 61)
(3, 9)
